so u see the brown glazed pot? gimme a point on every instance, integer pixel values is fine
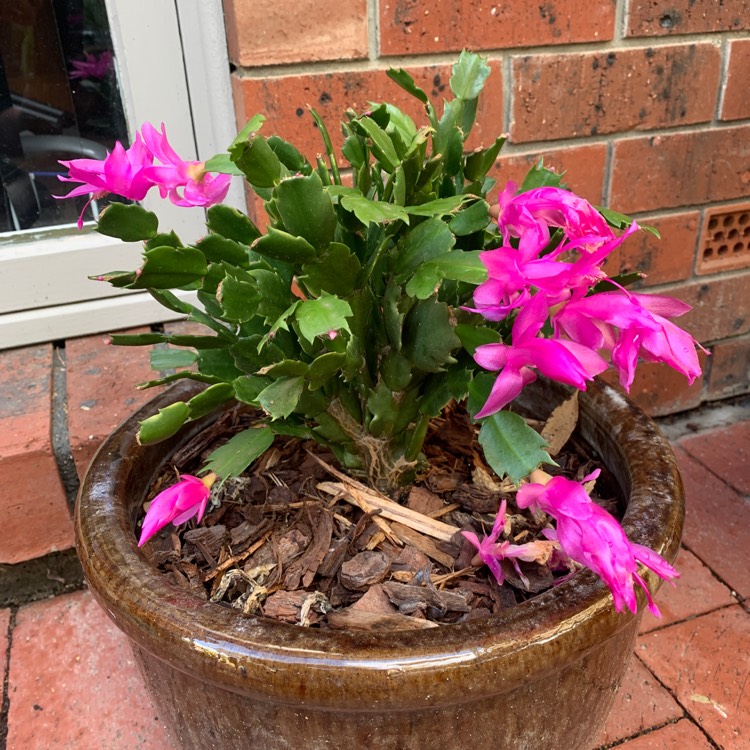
(538, 676)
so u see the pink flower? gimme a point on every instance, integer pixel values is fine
(131, 173)
(563, 361)
(199, 188)
(630, 325)
(122, 172)
(177, 504)
(536, 210)
(515, 273)
(490, 551)
(592, 537)
(93, 66)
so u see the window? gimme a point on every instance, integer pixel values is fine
(75, 76)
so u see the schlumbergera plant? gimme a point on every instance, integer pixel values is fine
(384, 289)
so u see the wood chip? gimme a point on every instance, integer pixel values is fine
(375, 602)
(350, 619)
(364, 569)
(424, 544)
(303, 569)
(389, 509)
(410, 599)
(421, 500)
(285, 605)
(237, 558)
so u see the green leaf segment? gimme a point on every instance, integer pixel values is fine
(343, 321)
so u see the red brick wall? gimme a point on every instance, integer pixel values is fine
(644, 103)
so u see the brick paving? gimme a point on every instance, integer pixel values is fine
(69, 680)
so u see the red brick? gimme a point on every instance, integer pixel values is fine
(268, 32)
(573, 95)
(36, 519)
(660, 390)
(681, 169)
(729, 374)
(101, 384)
(584, 168)
(683, 735)
(717, 523)
(423, 26)
(736, 103)
(73, 683)
(725, 239)
(721, 307)
(726, 452)
(664, 260)
(641, 703)
(703, 662)
(697, 591)
(284, 101)
(658, 17)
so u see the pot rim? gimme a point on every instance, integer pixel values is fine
(252, 655)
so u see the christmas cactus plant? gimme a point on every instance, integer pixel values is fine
(384, 288)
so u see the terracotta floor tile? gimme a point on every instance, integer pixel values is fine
(73, 683)
(717, 524)
(683, 735)
(697, 592)
(35, 514)
(704, 663)
(101, 390)
(641, 703)
(726, 451)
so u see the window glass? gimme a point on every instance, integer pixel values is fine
(59, 99)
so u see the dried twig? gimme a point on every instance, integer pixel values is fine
(237, 558)
(367, 501)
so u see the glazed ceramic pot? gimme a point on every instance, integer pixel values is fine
(541, 675)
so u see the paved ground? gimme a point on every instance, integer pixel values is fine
(71, 682)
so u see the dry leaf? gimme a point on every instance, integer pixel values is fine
(560, 425)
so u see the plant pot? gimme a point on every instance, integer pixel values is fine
(539, 675)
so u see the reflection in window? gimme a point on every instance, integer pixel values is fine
(59, 99)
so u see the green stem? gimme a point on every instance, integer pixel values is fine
(417, 438)
(329, 146)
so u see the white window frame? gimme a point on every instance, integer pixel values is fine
(173, 67)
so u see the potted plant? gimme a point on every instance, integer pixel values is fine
(381, 297)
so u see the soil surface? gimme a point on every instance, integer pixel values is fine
(297, 540)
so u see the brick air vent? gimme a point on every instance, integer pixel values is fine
(725, 244)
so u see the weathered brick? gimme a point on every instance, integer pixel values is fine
(703, 663)
(269, 32)
(659, 17)
(101, 384)
(729, 374)
(419, 26)
(725, 451)
(660, 390)
(664, 260)
(717, 522)
(284, 101)
(571, 95)
(35, 513)
(683, 735)
(641, 703)
(736, 104)
(73, 683)
(584, 168)
(681, 169)
(725, 239)
(720, 307)
(697, 592)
